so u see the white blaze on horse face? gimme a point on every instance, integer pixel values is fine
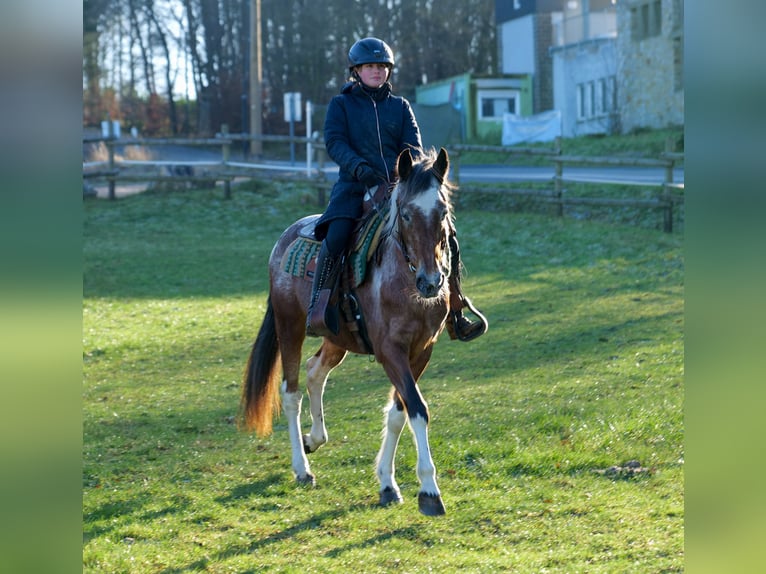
(428, 202)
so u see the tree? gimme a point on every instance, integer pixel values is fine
(305, 46)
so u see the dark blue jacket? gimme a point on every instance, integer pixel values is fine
(365, 126)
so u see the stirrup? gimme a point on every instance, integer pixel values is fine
(465, 329)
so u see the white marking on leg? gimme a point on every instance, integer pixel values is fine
(426, 469)
(316, 378)
(392, 430)
(291, 404)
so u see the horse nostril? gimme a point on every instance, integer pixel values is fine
(426, 288)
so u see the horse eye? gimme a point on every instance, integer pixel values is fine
(406, 216)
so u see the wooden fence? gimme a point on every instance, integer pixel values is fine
(667, 194)
(224, 170)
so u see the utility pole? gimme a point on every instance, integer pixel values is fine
(256, 79)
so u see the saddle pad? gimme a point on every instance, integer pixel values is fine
(299, 253)
(299, 257)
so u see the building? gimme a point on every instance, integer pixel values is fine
(525, 32)
(607, 66)
(650, 40)
(584, 63)
(474, 105)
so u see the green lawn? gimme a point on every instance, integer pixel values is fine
(581, 371)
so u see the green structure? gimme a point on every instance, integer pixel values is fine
(478, 102)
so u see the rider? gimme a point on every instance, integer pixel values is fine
(366, 128)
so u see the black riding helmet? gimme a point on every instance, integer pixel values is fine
(370, 51)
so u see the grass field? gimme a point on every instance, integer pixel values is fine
(532, 424)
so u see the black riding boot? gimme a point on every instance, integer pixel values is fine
(458, 325)
(322, 318)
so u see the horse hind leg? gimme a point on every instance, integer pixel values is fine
(318, 368)
(394, 421)
(291, 405)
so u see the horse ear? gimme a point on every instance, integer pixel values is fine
(404, 164)
(441, 165)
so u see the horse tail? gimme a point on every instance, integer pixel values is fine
(260, 386)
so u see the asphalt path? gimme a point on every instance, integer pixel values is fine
(515, 173)
(485, 174)
(608, 174)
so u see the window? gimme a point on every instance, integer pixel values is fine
(494, 103)
(610, 96)
(585, 100)
(597, 98)
(600, 96)
(646, 20)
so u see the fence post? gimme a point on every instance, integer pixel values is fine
(557, 187)
(455, 161)
(666, 196)
(321, 152)
(226, 152)
(112, 169)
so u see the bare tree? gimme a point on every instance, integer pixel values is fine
(305, 44)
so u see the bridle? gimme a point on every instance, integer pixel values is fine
(399, 239)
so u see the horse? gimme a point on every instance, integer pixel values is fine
(404, 304)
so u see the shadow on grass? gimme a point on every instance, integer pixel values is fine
(258, 488)
(311, 523)
(409, 532)
(123, 509)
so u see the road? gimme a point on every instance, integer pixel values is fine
(468, 173)
(509, 173)
(626, 175)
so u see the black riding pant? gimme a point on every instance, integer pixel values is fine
(338, 233)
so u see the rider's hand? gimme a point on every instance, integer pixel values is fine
(365, 174)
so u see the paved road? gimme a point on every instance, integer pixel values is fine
(505, 173)
(468, 173)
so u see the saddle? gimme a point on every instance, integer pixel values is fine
(300, 258)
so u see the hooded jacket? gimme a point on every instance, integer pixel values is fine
(365, 126)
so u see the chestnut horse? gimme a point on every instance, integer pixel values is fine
(403, 301)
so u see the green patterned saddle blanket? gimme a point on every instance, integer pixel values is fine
(299, 259)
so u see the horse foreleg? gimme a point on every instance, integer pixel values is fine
(291, 404)
(385, 468)
(318, 368)
(429, 498)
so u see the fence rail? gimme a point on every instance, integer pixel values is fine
(223, 170)
(667, 195)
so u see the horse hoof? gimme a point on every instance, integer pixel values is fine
(307, 444)
(390, 496)
(431, 504)
(307, 480)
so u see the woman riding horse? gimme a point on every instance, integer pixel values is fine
(366, 129)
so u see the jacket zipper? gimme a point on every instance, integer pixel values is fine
(380, 140)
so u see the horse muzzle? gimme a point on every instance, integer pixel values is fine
(429, 285)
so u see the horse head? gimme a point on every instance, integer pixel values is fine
(423, 218)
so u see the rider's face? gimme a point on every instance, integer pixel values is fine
(373, 75)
